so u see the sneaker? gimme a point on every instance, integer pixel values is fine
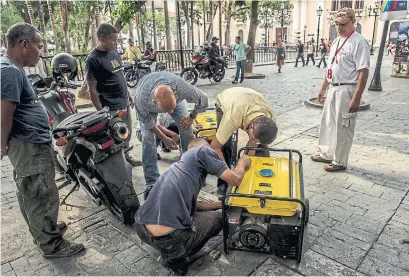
(234, 82)
(241, 81)
(65, 249)
(221, 192)
(133, 161)
(164, 148)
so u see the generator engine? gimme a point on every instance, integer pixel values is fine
(267, 213)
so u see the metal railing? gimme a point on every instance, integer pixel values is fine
(173, 58)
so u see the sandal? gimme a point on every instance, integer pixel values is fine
(334, 167)
(319, 159)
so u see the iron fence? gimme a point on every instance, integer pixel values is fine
(174, 62)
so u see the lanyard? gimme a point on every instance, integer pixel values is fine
(342, 45)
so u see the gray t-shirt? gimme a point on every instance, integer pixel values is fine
(172, 200)
(30, 120)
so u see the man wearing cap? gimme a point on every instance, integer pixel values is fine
(246, 109)
(214, 54)
(344, 83)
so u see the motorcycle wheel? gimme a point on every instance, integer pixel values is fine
(132, 78)
(190, 75)
(218, 77)
(129, 202)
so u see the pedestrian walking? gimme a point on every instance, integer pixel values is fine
(26, 139)
(323, 50)
(310, 54)
(344, 83)
(300, 53)
(240, 50)
(390, 46)
(280, 56)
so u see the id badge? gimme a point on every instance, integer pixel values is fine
(329, 75)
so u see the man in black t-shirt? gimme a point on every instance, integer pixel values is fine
(214, 53)
(300, 53)
(172, 219)
(26, 139)
(105, 78)
(150, 53)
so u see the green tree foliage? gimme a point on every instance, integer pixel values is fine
(124, 11)
(9, 16)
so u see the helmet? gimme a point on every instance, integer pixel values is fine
(64, 63)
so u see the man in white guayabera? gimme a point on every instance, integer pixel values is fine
(344, 83)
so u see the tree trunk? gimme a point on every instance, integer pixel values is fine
(155, 39)
(227, 32)
(252, 36)
(185, 8)
(53, 25)
(93, 35)
(87, 27)
(30, 12)
(167, 26)
(138, 33)
(65, 27)
(141, 20)
(97, 14)
(131, 36)
(210, 28)
(40, 12)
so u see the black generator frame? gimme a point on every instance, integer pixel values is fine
(302, 202)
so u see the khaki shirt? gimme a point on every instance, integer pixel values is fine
(240, 107)
(131, 52)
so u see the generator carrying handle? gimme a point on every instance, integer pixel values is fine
(272, 150)
(204, 129)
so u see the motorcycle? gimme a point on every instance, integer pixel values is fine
(140, 69)
(90, 148)
(203, 69)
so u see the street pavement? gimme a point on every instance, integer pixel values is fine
(359, 219)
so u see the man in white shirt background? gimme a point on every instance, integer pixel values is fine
(342, 89)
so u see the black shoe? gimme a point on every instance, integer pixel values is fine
(221, 191)
(65, 249)
(279, 70)
(133, 161)
(324, 67)
(318, 66)
(241, 81)
(62, 226)
(147, 191)
(178, 266)
(158, 156)
(164, 148)
(295, 65)
(234, 82)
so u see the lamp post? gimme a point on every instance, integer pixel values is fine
(319, 13)
(330, 20)
(305, 30)
(283, 16)
(376, 80)
(265, 22)
(374, 12)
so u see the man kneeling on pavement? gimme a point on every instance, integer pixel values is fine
(172, 219)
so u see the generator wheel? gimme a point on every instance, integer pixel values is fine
(307, 211)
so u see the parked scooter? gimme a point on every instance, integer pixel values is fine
(89, 146)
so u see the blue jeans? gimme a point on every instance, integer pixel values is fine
(149, 146)
(240, 66)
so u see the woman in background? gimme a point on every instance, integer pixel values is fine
(280, 56)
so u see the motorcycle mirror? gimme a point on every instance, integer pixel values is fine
(62, 141)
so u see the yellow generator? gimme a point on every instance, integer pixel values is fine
(208, 122)
(267, 213)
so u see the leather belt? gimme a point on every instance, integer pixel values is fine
(343, 84)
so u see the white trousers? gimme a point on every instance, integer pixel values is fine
(337, 125)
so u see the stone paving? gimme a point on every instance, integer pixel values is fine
(359, 218)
